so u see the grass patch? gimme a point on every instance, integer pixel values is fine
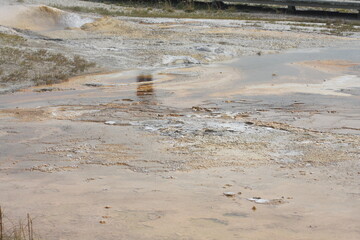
(341, 29)
(190, 9)
(184, 9)
(157, 13)
(338, 27)
(22, 66)
(7, 39)
(38, 67)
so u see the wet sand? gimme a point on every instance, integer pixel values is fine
(70, 173)
(188, 205)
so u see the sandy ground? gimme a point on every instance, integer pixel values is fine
(113, 155)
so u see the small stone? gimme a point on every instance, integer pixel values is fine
(110, 122)
(258, 200)
(169, 177)
(203, 49)
(229, 194)
(102, 222)
(94, 84)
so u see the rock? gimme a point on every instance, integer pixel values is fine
(110, 122)
(169, 177)
(94, 84)
(258, 200)
(266, 201)
(203, 49)
(229, 194)
(45, 89)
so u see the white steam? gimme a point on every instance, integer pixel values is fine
(72, 20)
(40, 18)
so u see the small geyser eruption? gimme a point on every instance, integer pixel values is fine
(40, 18)
(72, 20)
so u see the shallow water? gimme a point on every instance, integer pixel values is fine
(303, 88)
(260, 69)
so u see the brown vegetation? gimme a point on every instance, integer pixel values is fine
(21, 231)
(24, 67)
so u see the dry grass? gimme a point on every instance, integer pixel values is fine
(7, 39)
(39, 67)
(21, 66)
(23, 230)
(166, 12)
(188, 9)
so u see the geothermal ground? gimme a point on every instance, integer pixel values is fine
(118, 127)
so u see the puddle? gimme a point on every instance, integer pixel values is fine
(281, 68)
(295, 87)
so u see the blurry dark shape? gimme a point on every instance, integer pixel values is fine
(146, 86)
(145, 90)
(144, 78)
